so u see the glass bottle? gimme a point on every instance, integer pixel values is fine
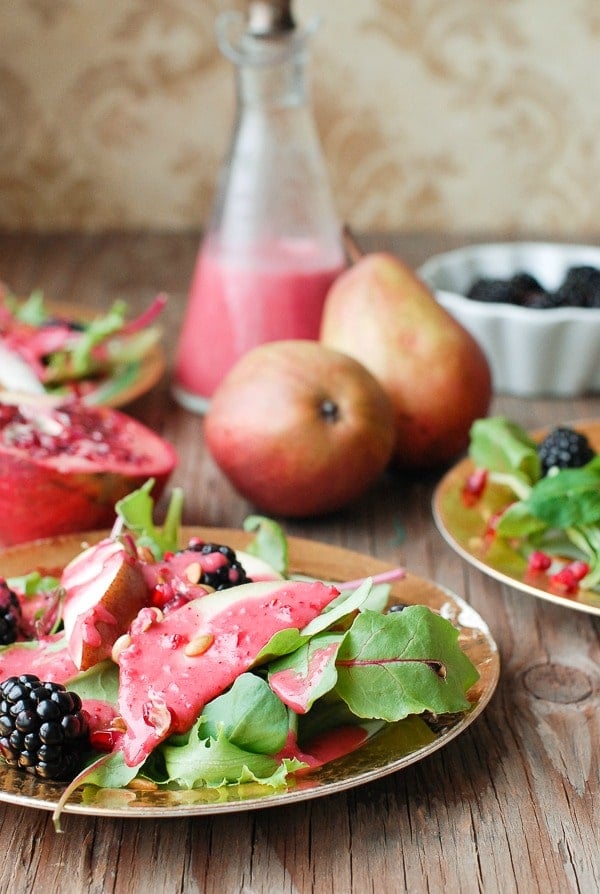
(273, 245)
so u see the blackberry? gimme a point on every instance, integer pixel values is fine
(527, 291)
(565, 449)
(11, 616)
(225, 571)
(43, 729)
(491, 291)
(396, 607)
(580, 287)
(522, 289)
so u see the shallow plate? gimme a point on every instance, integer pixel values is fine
(127, 381)
(463, 527)
(393, 748)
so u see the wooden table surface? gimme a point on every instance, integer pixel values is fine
(511, 805)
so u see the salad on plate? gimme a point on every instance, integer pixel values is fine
(145, 663)
(538, 502)
(48, 347)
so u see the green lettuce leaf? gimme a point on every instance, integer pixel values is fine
(503, 447)
(269, 543)
(100, 682)
(569, 497)
(308, 673)
(216, 762)
(110, 772)
(250, 715)
(390, 666)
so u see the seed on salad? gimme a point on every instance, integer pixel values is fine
(119, 645)
(193, 572)
(199, 645)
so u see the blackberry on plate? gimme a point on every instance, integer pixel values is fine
(223, 570)
(43, 729)
(10, 615)
(580, 287)
(564, 448)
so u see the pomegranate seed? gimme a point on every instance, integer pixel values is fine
(538, 561)
(105, 739)
(579, 569)
(492, 527)
(474, 486)
(566, 581)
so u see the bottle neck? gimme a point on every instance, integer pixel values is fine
(283, 84)
(270, 70)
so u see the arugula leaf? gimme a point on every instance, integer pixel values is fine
(269, 543)
(341, 607)
(32, 311)
(33, 583)
(390, 666)
(93, 334)
(281, 643)
(518, 521)
(570, 497)
(136, 510)
(308, 673)
(288, 640)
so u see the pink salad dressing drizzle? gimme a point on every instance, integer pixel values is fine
(294, 689)
(325, 747)
(164, 684)
(48, 658)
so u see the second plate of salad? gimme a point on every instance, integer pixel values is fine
(535, 529)
(61, 348)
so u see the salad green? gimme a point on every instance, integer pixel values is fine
(557, 513)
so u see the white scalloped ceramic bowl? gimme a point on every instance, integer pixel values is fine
(551, 352)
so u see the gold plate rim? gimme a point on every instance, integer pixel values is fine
(375, 759)
(464, 537)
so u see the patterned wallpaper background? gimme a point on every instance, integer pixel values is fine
(462, 115)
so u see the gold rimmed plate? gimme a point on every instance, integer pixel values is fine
(393, 748)
(463, 524)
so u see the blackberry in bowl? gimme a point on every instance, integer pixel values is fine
(534, 307)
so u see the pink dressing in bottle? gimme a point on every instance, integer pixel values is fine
(273, 246)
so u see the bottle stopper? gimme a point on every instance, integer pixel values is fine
(268, 18)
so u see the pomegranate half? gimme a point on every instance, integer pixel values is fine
(64, 464)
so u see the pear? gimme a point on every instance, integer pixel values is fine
(435, 373)
(298, 429)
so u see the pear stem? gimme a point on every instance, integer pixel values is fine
(353, 249)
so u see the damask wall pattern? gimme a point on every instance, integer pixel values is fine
(434, 115)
